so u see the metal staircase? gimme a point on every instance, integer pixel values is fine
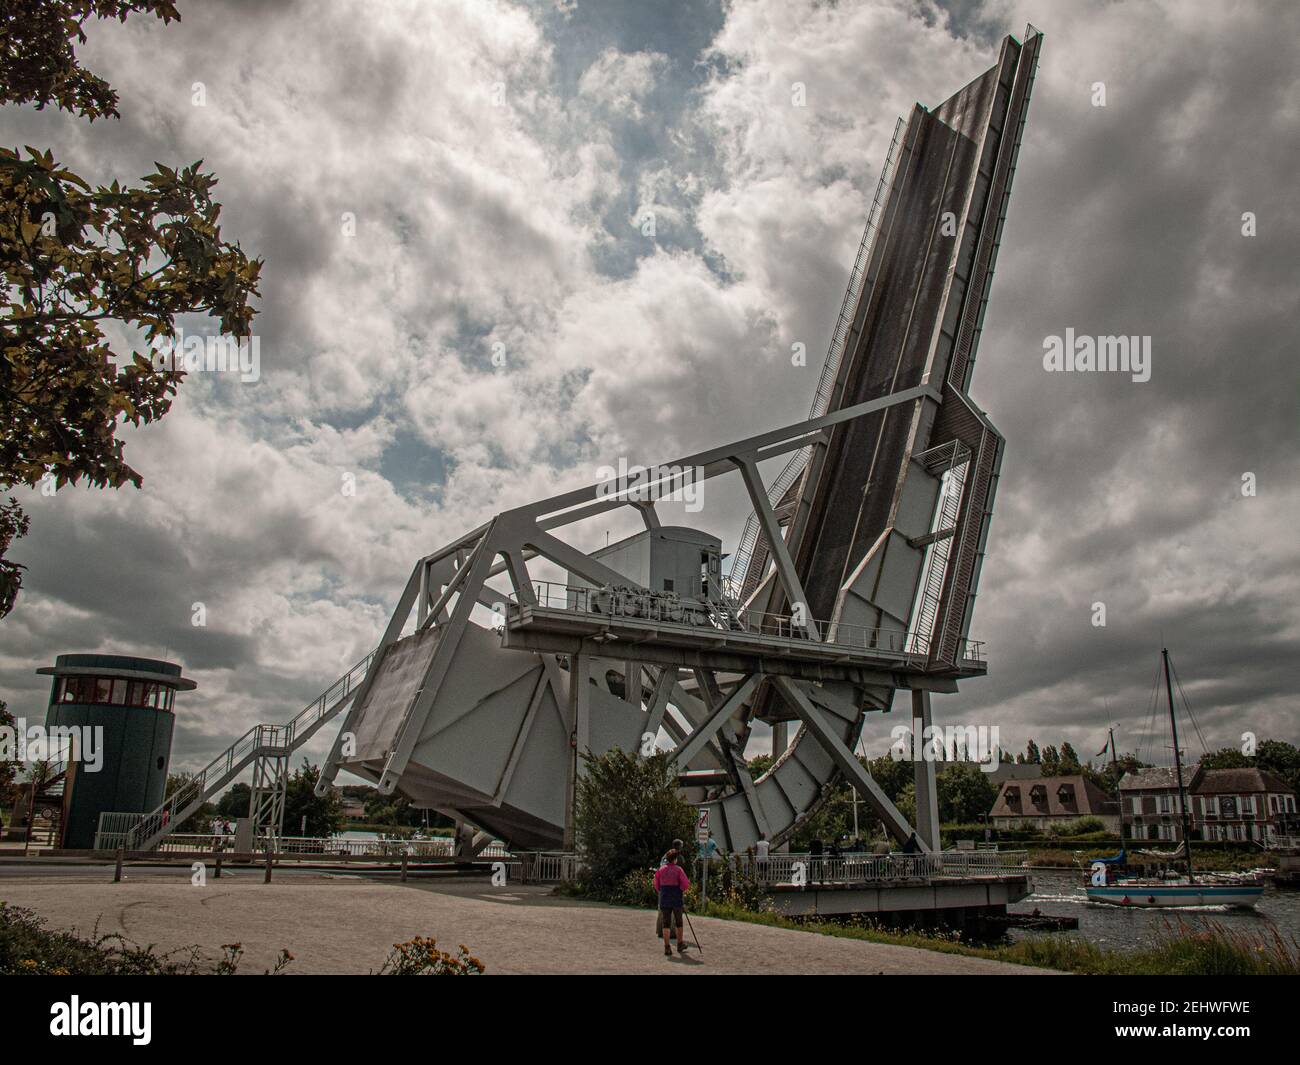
(725, 614)
(45, 806)
(936, 570)
(262, 744)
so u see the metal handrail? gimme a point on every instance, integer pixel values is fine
(258, 739)
(854, 867)
(324, 846)
(667, 609)
(387, 847)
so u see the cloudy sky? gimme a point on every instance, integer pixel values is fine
(429, 180)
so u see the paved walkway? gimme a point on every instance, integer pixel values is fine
(347, 925)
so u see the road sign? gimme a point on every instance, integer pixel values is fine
(702, 823)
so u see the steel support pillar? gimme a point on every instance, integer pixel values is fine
(579, 737)
(780, 738)
(266, 802)
(927, 795)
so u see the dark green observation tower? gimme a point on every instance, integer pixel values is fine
(132, 701)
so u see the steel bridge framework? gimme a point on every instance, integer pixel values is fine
(856, 573)
(854, 578)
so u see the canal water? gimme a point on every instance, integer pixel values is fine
(1061, 894)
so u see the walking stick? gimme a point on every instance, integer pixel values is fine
(693, 935)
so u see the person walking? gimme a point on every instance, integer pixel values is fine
(671, 883)
(680, 848)
(761, 850)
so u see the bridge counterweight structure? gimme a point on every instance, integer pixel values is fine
(452, 713)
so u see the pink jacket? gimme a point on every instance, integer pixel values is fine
(671, 881)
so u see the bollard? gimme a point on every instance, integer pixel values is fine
(403, 868)
(117, 873)
(267, 880)
(216, 861)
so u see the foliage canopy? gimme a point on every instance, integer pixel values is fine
(77, 256)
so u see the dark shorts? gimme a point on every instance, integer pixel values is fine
(671, 915)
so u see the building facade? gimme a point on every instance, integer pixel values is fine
(1227, 805)
(1149, 804)
(1241, 805)
(1052, 801)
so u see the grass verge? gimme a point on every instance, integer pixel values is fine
(1180, 949)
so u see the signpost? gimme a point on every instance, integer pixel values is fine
(708, 848)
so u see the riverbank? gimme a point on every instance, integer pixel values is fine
(1204, 949)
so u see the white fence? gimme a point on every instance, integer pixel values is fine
(555, 866)
(115, 829)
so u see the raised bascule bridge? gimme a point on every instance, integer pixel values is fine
(854, 578)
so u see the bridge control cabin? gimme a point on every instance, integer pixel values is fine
(671, 560)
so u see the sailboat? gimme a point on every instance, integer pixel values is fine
(1162, 893)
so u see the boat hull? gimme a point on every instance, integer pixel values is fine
(1144, 896)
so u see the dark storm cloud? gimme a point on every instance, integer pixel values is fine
(1127, 219)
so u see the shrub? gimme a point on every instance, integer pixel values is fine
(28, 948)
(635, 889)
(1082, 827)
(421, 957)
(729, 886)
(627, 813)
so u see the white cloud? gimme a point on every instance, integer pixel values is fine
(482, 196)
(620, 81)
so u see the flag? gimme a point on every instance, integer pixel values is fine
(1104, 748)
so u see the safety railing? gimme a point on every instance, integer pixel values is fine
(259, 739)
(857, 868)
(542, 867)
(386, 847)
(668, 609)
(112, 835)
(113, 828)
(195, 841)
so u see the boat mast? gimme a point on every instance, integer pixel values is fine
(1178, 767)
